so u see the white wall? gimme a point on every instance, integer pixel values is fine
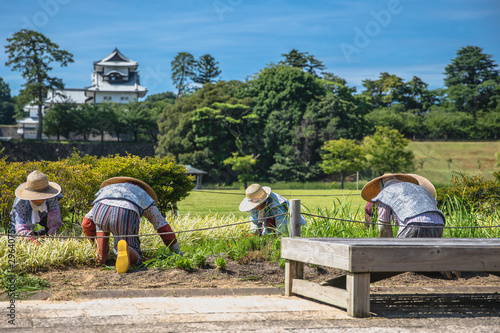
(117, 97)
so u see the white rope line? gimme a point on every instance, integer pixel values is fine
(377, 223)
(233, 224)
(285, 195)
(142, 235)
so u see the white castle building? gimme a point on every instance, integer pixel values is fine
(115, 79)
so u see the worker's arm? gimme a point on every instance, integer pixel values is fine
(384, 217)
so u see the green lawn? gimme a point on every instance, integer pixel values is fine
(225, 202)
(437, 161)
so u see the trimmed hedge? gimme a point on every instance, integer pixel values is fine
(81, 176)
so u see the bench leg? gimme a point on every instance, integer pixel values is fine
(293, 270)
(358, 289)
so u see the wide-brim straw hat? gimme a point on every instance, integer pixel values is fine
(372, 189)
(37, 187)
(254, 196)
(425, 183)
(143, 185)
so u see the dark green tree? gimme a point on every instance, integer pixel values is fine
(141, 120)
(32, 54)
(488, 125)
(19, 103)
(183, 67)
(206, 70)
(442, 123)
(280, 96)
(119, 127)
(392, 117)
(85, 120)
(417, 96)
(7, 109)
(409, 123)
(384, 91)
(302, 60)
(194, 145)
(104, 119)
(168, 97)
(342, 113)
(472, 80)
(60, 120)
(221, 129)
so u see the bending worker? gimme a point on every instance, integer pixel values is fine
(411, 206)
(263, 205)
(117, 209)
(37, 203)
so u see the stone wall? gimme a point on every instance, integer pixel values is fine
(23, 151)
(9, 131)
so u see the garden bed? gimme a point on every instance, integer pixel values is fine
(67, 283)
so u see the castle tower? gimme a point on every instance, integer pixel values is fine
(115, 79)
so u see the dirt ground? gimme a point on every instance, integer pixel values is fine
(66, 283)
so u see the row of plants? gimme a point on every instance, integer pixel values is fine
(205, 238)
(81, 176)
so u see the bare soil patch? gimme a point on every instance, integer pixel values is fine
(66, 283)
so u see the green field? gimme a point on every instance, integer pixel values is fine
(440, 160)
(225, 202)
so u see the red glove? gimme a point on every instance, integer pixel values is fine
(33, 240)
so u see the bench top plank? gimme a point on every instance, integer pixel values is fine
(394, 254)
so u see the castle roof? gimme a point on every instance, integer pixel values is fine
(115, 59)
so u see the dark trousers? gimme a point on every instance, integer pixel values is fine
(41, 232)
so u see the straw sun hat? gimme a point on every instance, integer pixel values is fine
(425, 183)
(254, 196)
(37, 187)
(143, 185)
(371, 189)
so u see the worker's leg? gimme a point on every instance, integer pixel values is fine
(127, 249)
(102, 247)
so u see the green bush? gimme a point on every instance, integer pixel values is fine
(81, 176)
(474, 192)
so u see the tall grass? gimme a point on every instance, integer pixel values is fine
(328, 226)
(341, 219)
(50, 253)
(466, 221)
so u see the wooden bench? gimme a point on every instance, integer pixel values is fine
(367, 260)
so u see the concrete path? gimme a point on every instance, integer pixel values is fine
(229, 313)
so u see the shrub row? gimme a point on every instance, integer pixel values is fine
(474, 192)
(81, 176)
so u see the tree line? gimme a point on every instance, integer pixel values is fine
(277, 121)
(274, 125)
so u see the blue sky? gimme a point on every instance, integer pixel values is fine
(356, 40)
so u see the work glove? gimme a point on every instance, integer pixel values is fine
(176, 248)
(169, 239)
(33, 240)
